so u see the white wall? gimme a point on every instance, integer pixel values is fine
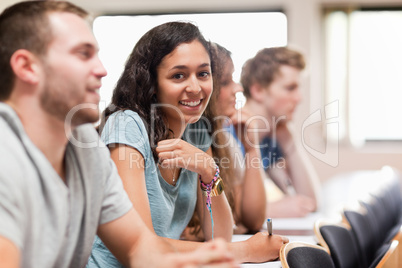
(304, 18)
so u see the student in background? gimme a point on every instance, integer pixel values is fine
(161, 147)
(58, 185)
(248, 178)
(271, 82)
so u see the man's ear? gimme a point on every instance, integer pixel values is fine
(25, 66)
(258, 92)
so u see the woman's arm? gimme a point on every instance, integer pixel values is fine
(130, 166)
(136, 246)
(253, 197)
(256, 249)
(261, 247)
(221, 212)
(250, 197)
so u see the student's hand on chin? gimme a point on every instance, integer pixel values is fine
(179, 153)
(285, 134)
(246, 129)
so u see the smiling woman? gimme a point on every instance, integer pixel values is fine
(166, 86)
(163, 151)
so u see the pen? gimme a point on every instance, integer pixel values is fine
(269, 226)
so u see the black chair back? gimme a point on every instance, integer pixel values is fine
(301, 255)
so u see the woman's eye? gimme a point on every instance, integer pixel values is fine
(204, 74)
(178, 76)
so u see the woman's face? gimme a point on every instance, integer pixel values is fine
(227, 94)
(283, 94)
(185, 82)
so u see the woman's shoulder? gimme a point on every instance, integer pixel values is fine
(125, 115)
(125, 118)
(125, 127)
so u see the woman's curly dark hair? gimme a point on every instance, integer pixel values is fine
(137, 87)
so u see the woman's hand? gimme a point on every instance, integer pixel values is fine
(246, 129)
(179, 153)
(263, 247)
(285, 136)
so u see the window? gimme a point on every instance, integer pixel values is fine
(363, 72)
(241, 33)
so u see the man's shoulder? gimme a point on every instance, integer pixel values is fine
(86, 140)
(91, 153)
(13, 157)
(85, 133)
(8, 138)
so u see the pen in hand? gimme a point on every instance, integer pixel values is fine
(269, 226)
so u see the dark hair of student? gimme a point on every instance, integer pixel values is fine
(137, 87)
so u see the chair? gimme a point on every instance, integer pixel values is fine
(301, 255)
(383, 220)
(385, 202)
(374, 237)
(338, 239)
(364, 233)
(384, 216)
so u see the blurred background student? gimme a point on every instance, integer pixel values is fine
(247, 179)
(271, 82)
(244, 183)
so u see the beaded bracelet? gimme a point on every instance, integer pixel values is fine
(208, 188)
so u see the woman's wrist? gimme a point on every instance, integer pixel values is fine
(210, 182)
(209, 171)
(241, 250)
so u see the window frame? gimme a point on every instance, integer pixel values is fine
(344, 113)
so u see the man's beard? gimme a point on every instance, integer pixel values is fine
(56, 104)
